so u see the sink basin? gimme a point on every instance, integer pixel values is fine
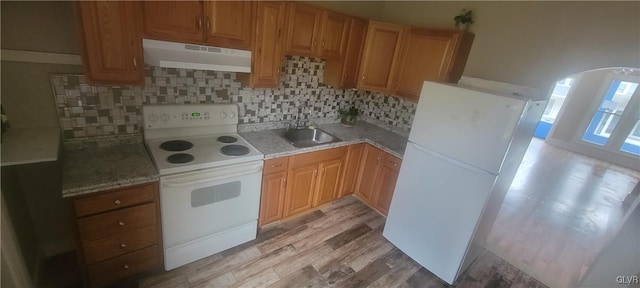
(309, 137)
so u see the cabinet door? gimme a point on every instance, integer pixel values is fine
(386, 183)
(335, 28)
(427, 55)
(228, 23)
(381, 54)
(178, 21)
(299, 194)
(303, 22)
(367, 179)
(266, 57)
(343, 73)
(272, 198)
(351, 169)
(112, 45)
(328, 182)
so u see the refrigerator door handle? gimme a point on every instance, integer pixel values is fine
(450, 160)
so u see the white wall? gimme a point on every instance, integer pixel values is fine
(535, 43)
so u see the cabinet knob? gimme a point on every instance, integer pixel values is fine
(322, 43)
(199, 23)
(125, 267)
(135, 62)
(362, 76)
(208, 24)
(395, 164)
(117, 202)
(122, 245)
(284, 180)
(120, 223)
(274, 166)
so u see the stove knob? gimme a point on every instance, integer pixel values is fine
(164, 117)
(153, 118)
(232, 115)
(223, 115)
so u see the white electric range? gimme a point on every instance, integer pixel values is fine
(210, 179)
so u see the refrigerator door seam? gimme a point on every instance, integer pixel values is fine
(452, 160)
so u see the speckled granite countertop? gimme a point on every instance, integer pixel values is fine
(272, 145)
(90, 167)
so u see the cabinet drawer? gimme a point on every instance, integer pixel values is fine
(275, 165)
(115, 222)
(391, 162)
(305, 159)
(114, 200)
(123, 266)
(116, 245)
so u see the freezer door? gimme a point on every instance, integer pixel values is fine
(467, 125)
(435, 209)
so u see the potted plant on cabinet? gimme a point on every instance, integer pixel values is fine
(464, 19)
(349, 116)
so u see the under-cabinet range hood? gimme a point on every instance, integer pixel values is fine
(191, 56)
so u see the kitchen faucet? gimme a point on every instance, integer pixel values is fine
(299, 124)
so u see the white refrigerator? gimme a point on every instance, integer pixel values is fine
(464, 149)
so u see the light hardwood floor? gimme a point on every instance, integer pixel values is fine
(559, 212)
(340, 245)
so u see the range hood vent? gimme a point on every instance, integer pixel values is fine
(190, 56)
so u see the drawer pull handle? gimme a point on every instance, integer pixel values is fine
(274, 166)
(125, 266)
(117, 202)
(120, 223)
(122, 245)
(395, 164)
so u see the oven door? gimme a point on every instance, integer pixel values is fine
(203, 202)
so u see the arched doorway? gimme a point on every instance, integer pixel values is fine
(596, 113)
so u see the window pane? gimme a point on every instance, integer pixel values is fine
(608, 114)
(556, 100)
(632, 143)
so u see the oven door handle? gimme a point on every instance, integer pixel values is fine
(209, 176)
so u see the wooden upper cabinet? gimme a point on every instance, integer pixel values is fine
(343, 73)
(178, 21)
(303, 29)
(430, 55)
(112, 50)
(335, 29)
(229, 23)
(381, 54)
(266, 59)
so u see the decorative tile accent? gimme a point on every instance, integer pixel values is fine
(89, 111)
(395, 112)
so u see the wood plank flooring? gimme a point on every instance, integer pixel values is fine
(340, 245)
(559, 212)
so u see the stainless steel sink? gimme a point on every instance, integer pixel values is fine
(309, 137)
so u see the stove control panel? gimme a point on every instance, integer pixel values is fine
(184, 116)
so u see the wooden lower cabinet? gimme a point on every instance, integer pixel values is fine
(367, 176)
(119, 233)
(274, 183)
(385, 183)
(328, 181)
(378, 177)
(351, 169)
(299, 195)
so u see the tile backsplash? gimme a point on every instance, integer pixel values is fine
(87, 111)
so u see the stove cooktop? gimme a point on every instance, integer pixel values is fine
(199, 152)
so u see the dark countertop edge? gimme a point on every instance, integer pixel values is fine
(84, 190)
